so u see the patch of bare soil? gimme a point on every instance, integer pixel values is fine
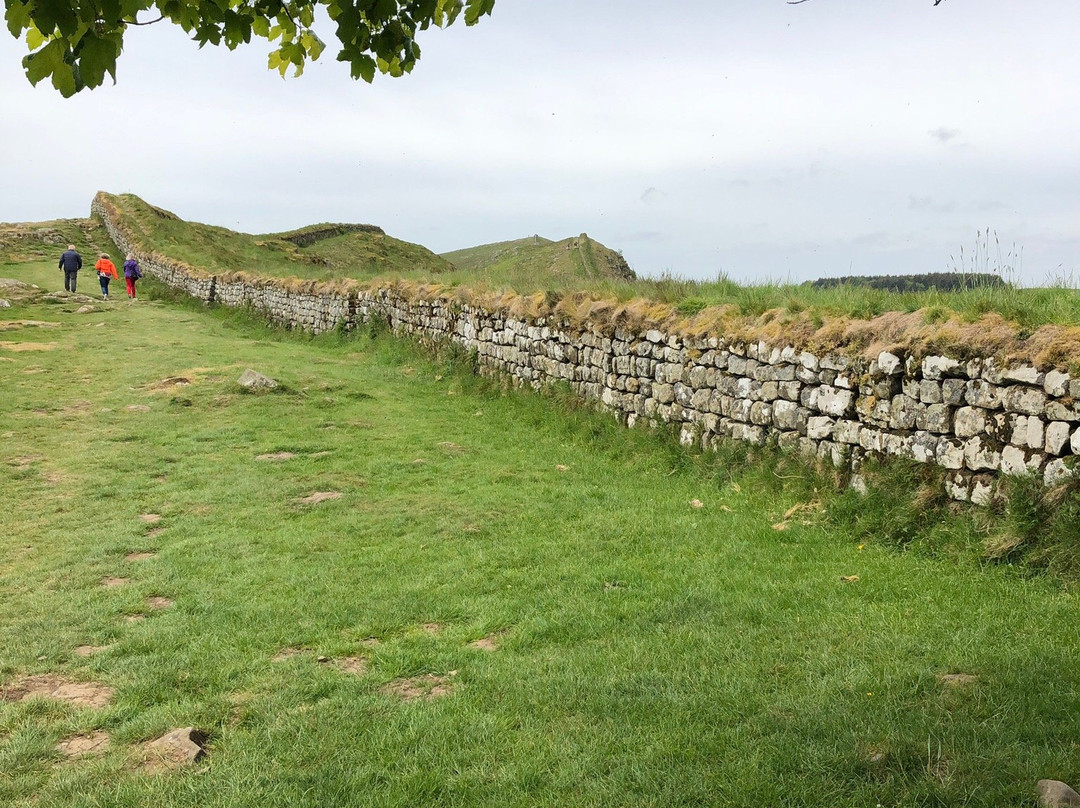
(53, 686)
(173, 750)
(53, 478)
(77, 408)
(137, 408)
(89, 650)
(958, 679)
(320, 496)
(111, 582)
(24, 461)
(150, 518)
(134, 618)
(80, 746)
(488, 643)
(450, 447)
(276, 457)
(11, 325)
(20, 347)
(145, 556)
(157, 531)
(351, 664)
(421, 688)
(157, 602)
(320, 454)
(431, 628)
(287, 653)
(169, 383)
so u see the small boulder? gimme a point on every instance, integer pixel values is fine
(84, 309)
(4, 304)
(256, 382)
(1056, 794)
(174, 749)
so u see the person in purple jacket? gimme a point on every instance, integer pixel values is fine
(131, 274)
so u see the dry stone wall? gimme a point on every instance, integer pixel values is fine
(974, 419)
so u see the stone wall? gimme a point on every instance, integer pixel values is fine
(974, 419)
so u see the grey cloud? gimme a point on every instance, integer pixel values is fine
(927, 203)
(944, 135)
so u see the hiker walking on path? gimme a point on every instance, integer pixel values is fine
(131, 274)
(106, 271)
(71, 263)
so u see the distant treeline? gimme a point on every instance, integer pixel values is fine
(941, 281)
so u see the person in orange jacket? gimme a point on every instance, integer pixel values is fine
(106, 271)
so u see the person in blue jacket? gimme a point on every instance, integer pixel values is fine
(71, 263)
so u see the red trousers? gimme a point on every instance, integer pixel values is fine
(130, 286)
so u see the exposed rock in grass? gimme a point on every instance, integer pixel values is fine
(256, 382)
(173, 750)
(89, 650)
(24, 461)
(159, 602)
(171, 382)
(849, 579)
(142, 556)
(561, 467)
(53, 686)
(80, 746)
(696, 503)
(320, 496)
(1056, 794)
(85, 309)
(11, 325)
(4, 303)
(957, 679)
(426, 688)
(111, 582)
(276, 457)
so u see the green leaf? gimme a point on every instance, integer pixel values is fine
(17, 17)
(261, 27)
(43, 63)
(34, 38)
(97, 56)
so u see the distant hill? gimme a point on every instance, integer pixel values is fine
(316, 252)
(578, 257)
(941, 281)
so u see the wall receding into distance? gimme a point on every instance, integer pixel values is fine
(974, 419)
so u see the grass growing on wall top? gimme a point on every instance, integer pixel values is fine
(639, 650)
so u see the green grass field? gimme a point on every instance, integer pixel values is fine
(637, 650)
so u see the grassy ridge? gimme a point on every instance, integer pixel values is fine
(217, 249)
(648, 652)
(529, 260)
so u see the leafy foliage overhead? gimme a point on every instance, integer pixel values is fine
(75, 43)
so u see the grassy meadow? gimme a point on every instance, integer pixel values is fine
(513, 601)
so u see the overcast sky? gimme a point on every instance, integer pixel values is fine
(754, 138)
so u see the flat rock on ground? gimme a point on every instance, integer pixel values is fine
(52, 686)
(176, 748)
(1056, 794)
(80, 746)
(255, 381)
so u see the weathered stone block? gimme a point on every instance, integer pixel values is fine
(937, 367)
(833, 401)
(929, 392)
(950, 453)
(980, 455)
(952, 392)
(1027, 400)
(981, 393)
(1024, 374)
(970, 421)
(889, 364)
(664, 393)
(903, 411)
(819, 427)
(847, 431)
(936, 418)
(1057, 437)
(924, 447)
